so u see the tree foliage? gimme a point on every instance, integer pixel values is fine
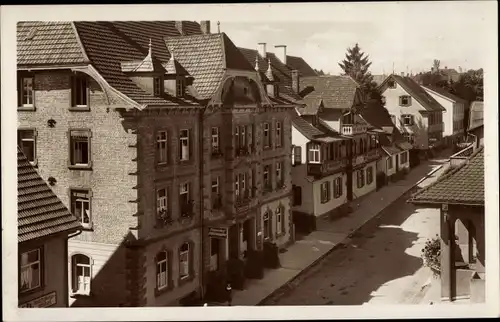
(431, 255)
(357, 64)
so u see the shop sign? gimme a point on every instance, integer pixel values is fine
(217, 232)
(43, 301)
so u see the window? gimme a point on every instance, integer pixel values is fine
(267, 136)
(314, 156)
(81, 268)
(80, 148)
(184, 194)
(404, 157)
(369, 175)
(161, 202)
(279, 174)
(180, 88)
(26, 139)
(215, 185)
(404, 100)
(325, 192)
(184, 254)
(267, 226)
(157, 86)
(297, 195)
(184, 148)
(280, 221)
(79, 91)
(161, 147)
(360, 178)
(392, 84)
(26, 92)
(337, 187)
(80, 206)
(389, 162)
(162, 270)
(407, 119)
(30, 270)
(393, 119)
(409, 137)
(215, 140)
(279, 134)
(297, 155)
(267, 179)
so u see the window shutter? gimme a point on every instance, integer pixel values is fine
(190, 142)
(191, 259)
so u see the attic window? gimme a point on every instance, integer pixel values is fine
(157, 86)
(404, 100)
(30, 34)
(180, 87)
(392, 84)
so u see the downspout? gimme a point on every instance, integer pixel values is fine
(75, 234)
(202, 208)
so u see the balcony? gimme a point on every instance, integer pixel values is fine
(438, 127)
(366, 157)
(187, 209)
(325, 168)
(353, 129)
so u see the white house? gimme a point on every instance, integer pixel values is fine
(416, 114)
(453, 116)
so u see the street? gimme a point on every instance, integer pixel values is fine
(380, 264)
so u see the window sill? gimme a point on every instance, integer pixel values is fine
(183, 281)
(164, 290)
(26, 108)
(79, 109)
(80, 167)
(186, 162)
(80, 295)
(88, 227)
(162, 164)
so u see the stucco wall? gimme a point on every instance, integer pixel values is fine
(283, 239)
(322, 208)
(358, 192)
(453, 117)
(298, 139)
(300, 179)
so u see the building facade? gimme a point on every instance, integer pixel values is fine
(44, 226)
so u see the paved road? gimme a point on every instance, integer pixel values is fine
(380, 265)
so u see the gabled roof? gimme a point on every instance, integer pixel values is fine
(462, 185)
(334, 92)
(299, 64)
(379, 79)
(417, 92)
(304, 127)
(48, 43)
(173, 67)
(205, 57)
(476, 115)
(39, 212)
(445, 94)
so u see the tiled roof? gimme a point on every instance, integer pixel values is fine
(46, 43)
(173, 67)
(463, 185)
(335, 92)
(298, 63)
(304, 127)
(476, 115)
(417, 92)
(205, 57)
(446, 94)
(39, 212)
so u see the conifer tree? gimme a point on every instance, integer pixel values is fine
(356, 64)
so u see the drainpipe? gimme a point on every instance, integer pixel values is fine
(75, 234)
(201, 176)
(349, 170)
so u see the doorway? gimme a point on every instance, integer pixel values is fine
(215, 253)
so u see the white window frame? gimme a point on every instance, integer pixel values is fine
(26, 269)
(184, 256)
(81, 201)
(279, 172)
(27, 91)
(215, 139)
(325, 193)
(162, 274)
(184, 189)
(157, 86)
(80, 84)
(184, 141)
(265, 173)
(279, 138)
(314, 153)
(237, 185)
(161, 200)
(216, 185)
(162, 147)
(74, 140)
(405, 117)
(266, 226)
(31, 139)
(267, 137)
(77, 285)
(279, 220)
(337, 187)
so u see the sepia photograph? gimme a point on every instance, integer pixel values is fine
(292, 161)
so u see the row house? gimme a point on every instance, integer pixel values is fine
(415, 113)
(177, 158)
(44, 226)
(453, 116)
(475, 129)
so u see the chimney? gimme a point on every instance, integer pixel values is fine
(205, 27)
(402, 74)
(295, 81)
(179, 25)
(282, 53)
(262, 49)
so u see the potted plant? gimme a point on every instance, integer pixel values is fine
(254, 267)
(236, 273)
(431, 255)
(271, 255)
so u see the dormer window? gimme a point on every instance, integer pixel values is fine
(157, 86)
(180, 87)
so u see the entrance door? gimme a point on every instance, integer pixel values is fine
(215, 250)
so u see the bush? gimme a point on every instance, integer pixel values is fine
(431, 255)
(271, 255)
(236, 273)
(254, 267)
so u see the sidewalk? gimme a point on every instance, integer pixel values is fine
(306, 252)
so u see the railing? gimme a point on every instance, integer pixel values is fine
(352, 129)
(326, 167)
(461, 156)
(366, 157)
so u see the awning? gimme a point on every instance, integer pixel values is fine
(391, 150)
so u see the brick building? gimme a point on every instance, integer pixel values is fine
(132, 121)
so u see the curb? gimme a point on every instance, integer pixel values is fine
(343, 242)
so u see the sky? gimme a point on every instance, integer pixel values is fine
(407, 36)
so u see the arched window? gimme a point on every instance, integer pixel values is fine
(162, 270)
(82, 274)
(184, 260)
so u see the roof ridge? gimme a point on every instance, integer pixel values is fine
(79, 41)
